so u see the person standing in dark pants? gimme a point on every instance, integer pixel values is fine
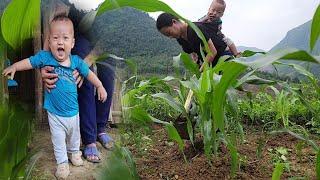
(93, 114)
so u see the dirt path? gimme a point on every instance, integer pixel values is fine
(45, 166)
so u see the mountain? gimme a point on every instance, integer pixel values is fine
(299, 38)
(130, 33)
(3, 4)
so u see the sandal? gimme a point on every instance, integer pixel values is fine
(105, 140)
(91, 151)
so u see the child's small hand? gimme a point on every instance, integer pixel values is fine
(102, 94)
(194, 57)
(9, 70)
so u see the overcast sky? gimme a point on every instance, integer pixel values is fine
(253, 23)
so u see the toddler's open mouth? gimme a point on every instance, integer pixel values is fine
(60, 51)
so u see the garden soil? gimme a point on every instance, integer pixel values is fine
(164, 161)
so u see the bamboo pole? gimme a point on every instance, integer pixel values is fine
(4, 93)
(37, 45)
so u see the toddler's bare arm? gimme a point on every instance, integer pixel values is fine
(102, 93)
(18, 66)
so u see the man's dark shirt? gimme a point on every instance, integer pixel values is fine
(193, 43)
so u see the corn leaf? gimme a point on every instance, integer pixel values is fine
(174, 135)
(171, 101)
(248, 53)
(277, 172)
(298, 92)
(144, 5)
(315, 28)
(298, 136)
(138, 114)
(234, 157)
(207, 137)
(190, 129)
(254, 80)
(26, 15)
(172, 132)
(189, 64)
(205, 84)
(119, 165)
(231, 71)
(286, 54)
(15, 135)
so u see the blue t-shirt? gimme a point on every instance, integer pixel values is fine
(62, 100)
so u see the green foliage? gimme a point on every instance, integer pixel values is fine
(26, 15)
(174, 135)
(119, 165)
(137, 137)
(231, 71)
(315, 29)
(159, 109)
(290, 108)
(306, 73)
(248, 53)
(285, 54)
(282, 106)
(258, 109)
(144, 5)
(298, 147)
(190, 64)
(261, 145)
(277, 172)
(133, 102)
(234, 155)
(279, 155)
(15, 133)
(178, 106)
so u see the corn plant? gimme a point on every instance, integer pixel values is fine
(17, 24)
(19, 21)
(133, 111)
(119, 165)
(282, 106)
(16, 129)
